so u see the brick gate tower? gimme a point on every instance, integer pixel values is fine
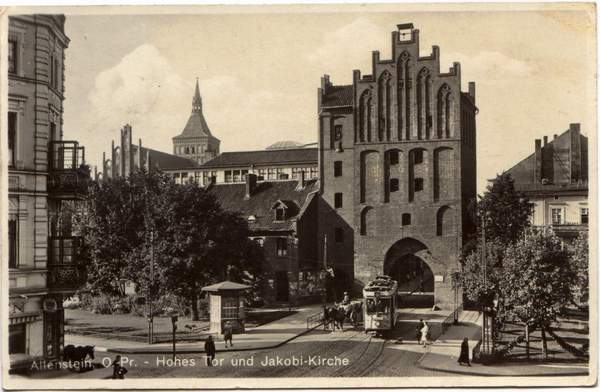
(398, 167)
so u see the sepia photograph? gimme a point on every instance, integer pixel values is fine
(299, 196)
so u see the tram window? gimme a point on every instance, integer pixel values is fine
(378, 305)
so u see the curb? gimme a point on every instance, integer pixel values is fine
(467, 373)
(201, 351)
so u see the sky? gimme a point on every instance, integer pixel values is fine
(259, 69)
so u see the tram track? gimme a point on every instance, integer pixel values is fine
(366, 358)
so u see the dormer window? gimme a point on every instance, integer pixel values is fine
(279, 214)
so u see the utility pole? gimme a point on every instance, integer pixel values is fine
(484, 271)
(150, 291)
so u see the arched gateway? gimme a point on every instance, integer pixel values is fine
(406, 262)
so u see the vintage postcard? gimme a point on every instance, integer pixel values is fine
(299, 196)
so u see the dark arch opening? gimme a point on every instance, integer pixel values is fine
(405, 264)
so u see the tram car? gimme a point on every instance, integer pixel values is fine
(380, 302)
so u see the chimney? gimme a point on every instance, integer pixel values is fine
(537, 174)
(472, 90)
(148, 161)
(139, 155)
(575, 152)
(113, 160)
(250, 184)
(555, 137)
(545, 140)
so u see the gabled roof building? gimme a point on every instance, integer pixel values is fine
(555, 179)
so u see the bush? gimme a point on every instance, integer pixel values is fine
(101, 305)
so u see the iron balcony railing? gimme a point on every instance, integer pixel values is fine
(68, 174)
(65, 268)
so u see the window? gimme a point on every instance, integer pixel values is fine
(260, 241)
(339, 235)
(394, 157)
(271, 174)
(228, 177)
(282, 247)
(557, 216)
(261, 174)
(394, 185)
(244, 175)
(418, 184)
(338, 200)
(584, 216)
(12, 56)
(55, 83)
(12, 243)
(314, 172)
(17, 338)
(418, 156)
(337, 133)
(237, 175)
(279, 214)
(12, 138)
(337, 168)
(405, 219)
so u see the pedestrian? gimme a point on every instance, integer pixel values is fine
(463, 358)
(228, 333)
(424, 334)
(118, 370)
(209, 350)
(418, 330)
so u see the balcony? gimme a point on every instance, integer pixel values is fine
(66, 271)
(68, 175)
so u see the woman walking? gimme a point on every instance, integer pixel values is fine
(463, 358)
(424, 334)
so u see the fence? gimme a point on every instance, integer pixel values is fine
(314, 320)
(451, 317)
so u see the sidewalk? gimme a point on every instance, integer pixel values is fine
(269, 335)
(442, 355)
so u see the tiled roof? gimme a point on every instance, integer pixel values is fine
(264, 157)
(196, 127)
(166, 161)
(226, 285)
(232, 198)
(338, 96)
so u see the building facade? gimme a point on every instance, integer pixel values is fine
(271, 164)
(196, 141)
(555, 179)
(47, 177)
(397, 169)
(282, 219)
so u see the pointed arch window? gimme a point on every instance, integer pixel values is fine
(383, 104)
(424, 119)
(444, 108)
(403, 95)
(364, 116)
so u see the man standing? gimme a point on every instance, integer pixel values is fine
(228, 333)
(418, 331)
(210, 350)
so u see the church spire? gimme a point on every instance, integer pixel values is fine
(197, 101)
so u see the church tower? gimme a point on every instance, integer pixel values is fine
(195, 141)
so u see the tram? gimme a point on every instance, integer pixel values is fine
(380, 302)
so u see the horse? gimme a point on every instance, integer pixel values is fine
(78, 355)
(354, 312)
(335, 317)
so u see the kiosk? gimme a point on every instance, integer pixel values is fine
(226, 304)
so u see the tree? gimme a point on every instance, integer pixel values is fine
(477, 288)
(200, 243)
(506, 212)
(536, 280)
(580, 263)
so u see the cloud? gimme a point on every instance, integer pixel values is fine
(349, 48)
(488, 66)
(145, 91)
